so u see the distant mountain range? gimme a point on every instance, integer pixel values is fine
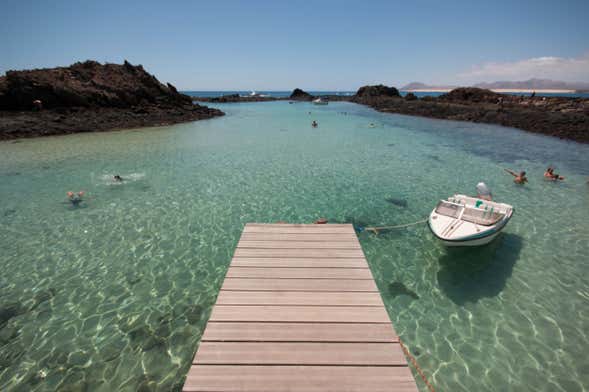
(531, 84)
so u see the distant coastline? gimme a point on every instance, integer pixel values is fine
(562, 116)
(498, 90)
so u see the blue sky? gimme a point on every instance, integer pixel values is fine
(322, 45)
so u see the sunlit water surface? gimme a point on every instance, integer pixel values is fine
(115, 294)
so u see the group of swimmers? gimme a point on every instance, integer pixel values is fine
(76, 198)
(520, 178)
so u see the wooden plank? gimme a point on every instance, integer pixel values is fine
(285, 273)
(349, 237)
(313, 298)
(305, 253)
(299, 353)
(219, 378)
(298, 244)
(327, 314)
(278, 262)
(299, 332)
(259, 284)
(284, 229)
(299, 311)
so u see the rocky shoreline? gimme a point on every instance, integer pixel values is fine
(90, 97)
(562, 117)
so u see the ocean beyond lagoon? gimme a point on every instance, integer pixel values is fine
(114, 295)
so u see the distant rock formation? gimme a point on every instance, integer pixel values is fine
(410, 97)
(87, 97)
(566, 118)
(530, 84)
(233, 98)
(471, 94)
(377, 91)
(300, 95)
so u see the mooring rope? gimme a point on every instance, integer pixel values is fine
(416, 366)
(377, 229)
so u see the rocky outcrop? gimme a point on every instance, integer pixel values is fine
(300, 95)
(472, 94)
(90, 96)
(233, 98)
(377, 91)
(566, 118)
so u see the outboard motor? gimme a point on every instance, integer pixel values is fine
(483, 191)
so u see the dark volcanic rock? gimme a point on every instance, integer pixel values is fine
(300, 95)
(471, 94)
(377, 91)
(233, 98)
(566, 118)
(90, 96)
(87, 84)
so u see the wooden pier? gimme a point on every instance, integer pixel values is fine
(299, 311)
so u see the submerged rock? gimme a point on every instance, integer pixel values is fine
(397, 202)
(398, 288)
(10, 310)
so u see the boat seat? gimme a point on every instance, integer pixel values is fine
(481, 217)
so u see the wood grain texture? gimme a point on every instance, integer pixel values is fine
(299, 332)
(293, 273)
(327, 314)
(218, 378)
(299, 311)
(299, 353)
(280, 262)
(261, 284)
(310, 298)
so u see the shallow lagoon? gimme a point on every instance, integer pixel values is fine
(114, 295)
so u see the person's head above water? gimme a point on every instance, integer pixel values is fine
(118, 178)
(522, 173)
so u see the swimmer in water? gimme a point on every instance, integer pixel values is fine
(550, 175)
(75, 198)
(118, 178)
(314, 124)
(519, 178)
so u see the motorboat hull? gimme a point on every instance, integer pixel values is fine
(469, 242)
(464, 224)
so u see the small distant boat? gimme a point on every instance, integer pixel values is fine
(468, 221)
(320, 101)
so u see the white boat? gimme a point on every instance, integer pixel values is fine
(320, 101)
(468, 221)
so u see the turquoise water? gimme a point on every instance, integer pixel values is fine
(114, 295)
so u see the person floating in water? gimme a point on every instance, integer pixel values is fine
(519, 178)
(550, 175)
(118, 178)
(75, 198)
(314, 124)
